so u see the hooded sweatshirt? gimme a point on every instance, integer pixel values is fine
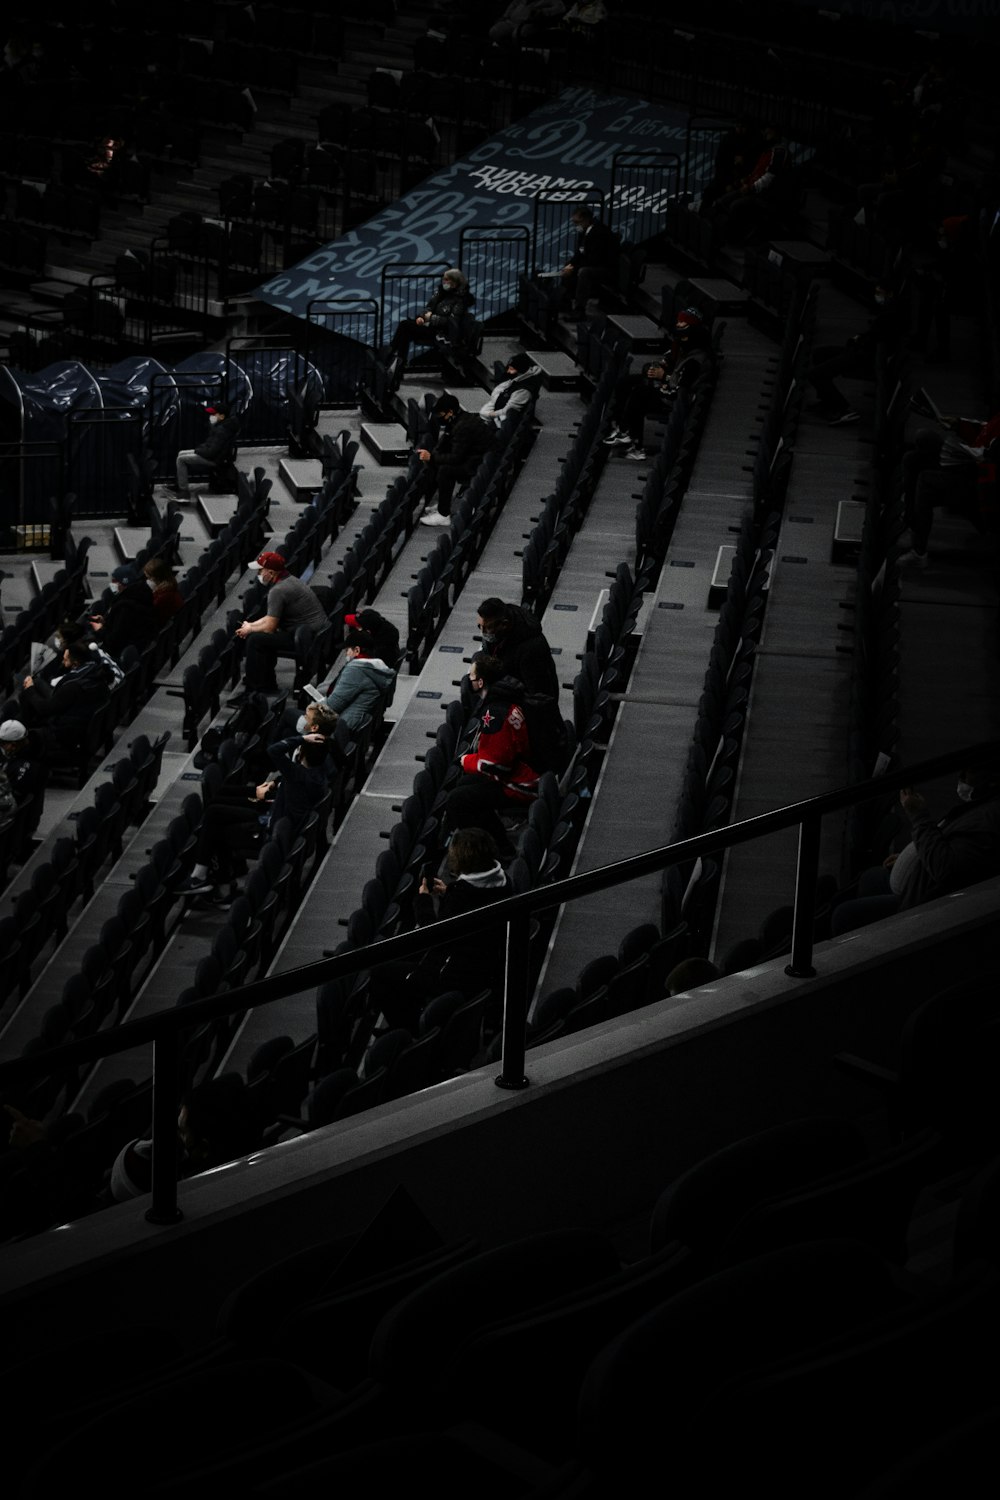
(476, 962)
(512, 395)
(363, 686)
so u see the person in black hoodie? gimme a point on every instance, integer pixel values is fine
(131, 619)
(214, 448)
(463, 439)
(515, 636)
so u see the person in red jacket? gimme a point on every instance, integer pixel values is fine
(497, 769)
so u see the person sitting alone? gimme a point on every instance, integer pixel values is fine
(462, 442)
(942, 855)
(652, 391)
(22, 765)
(290, 603)
(214, 449)
(234, 828)
(444, 320)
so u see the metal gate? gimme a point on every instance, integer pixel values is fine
(494, 257)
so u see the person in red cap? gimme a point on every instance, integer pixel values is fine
(209, 454)
(290, 603)
(651, 391)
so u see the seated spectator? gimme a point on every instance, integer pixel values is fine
(735, 155)
(519, 389)
(290, 603)
(234, 827)
(472, 877)
(856, 358)
(446, 320)
(497, 770)
(22, 763)
(131, 619)
(463, 439)
(215, 449)
(526, 20)
(167, 597)
(653, 389)
(737, 214)
(62, 710)
(384, 634)
(364, 685)
(512, 634)
(594, 263)
(942, 855)
(944, 470)
(215, 1124)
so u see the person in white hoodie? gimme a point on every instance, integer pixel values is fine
(473, 877)
(519, 389)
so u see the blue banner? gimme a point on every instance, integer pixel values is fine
(565, 150)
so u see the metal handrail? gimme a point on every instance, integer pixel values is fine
(515, 912)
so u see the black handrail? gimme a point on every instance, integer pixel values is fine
(164, 1027)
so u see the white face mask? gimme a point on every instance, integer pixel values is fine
(214, 419)
(965, 789)
(879, 301)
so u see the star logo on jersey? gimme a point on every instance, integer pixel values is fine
(487, 719)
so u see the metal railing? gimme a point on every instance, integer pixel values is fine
(164, 1029)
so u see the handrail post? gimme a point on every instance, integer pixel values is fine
(803, 921)
(163, 1209)
(515, 1003)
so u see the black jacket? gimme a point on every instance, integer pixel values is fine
(464, 441)
(525, 653)
(598, 247)
(300, 788)
(131, 619)
(66, 708)
(218, 441)
(448, 313)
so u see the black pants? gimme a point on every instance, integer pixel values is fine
(444, 477)
(263, 650)
(477, 802)
(231, 831)
(831, 361)
(410, 332)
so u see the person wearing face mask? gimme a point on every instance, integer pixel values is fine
(445, 318)
(514, 635)
(855, 359)
(943, 854)
(651, 392)
(131, 619)
(462, 441)
(519, 388)
(21, 763)
(210, 453)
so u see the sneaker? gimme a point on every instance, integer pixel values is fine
(616, 437)
(912, 559)
(435, 519)
(636, 453)
(191, 886)
(845, 418)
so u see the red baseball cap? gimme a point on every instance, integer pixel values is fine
(272, 560)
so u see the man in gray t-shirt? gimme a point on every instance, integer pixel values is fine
(290, 603)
